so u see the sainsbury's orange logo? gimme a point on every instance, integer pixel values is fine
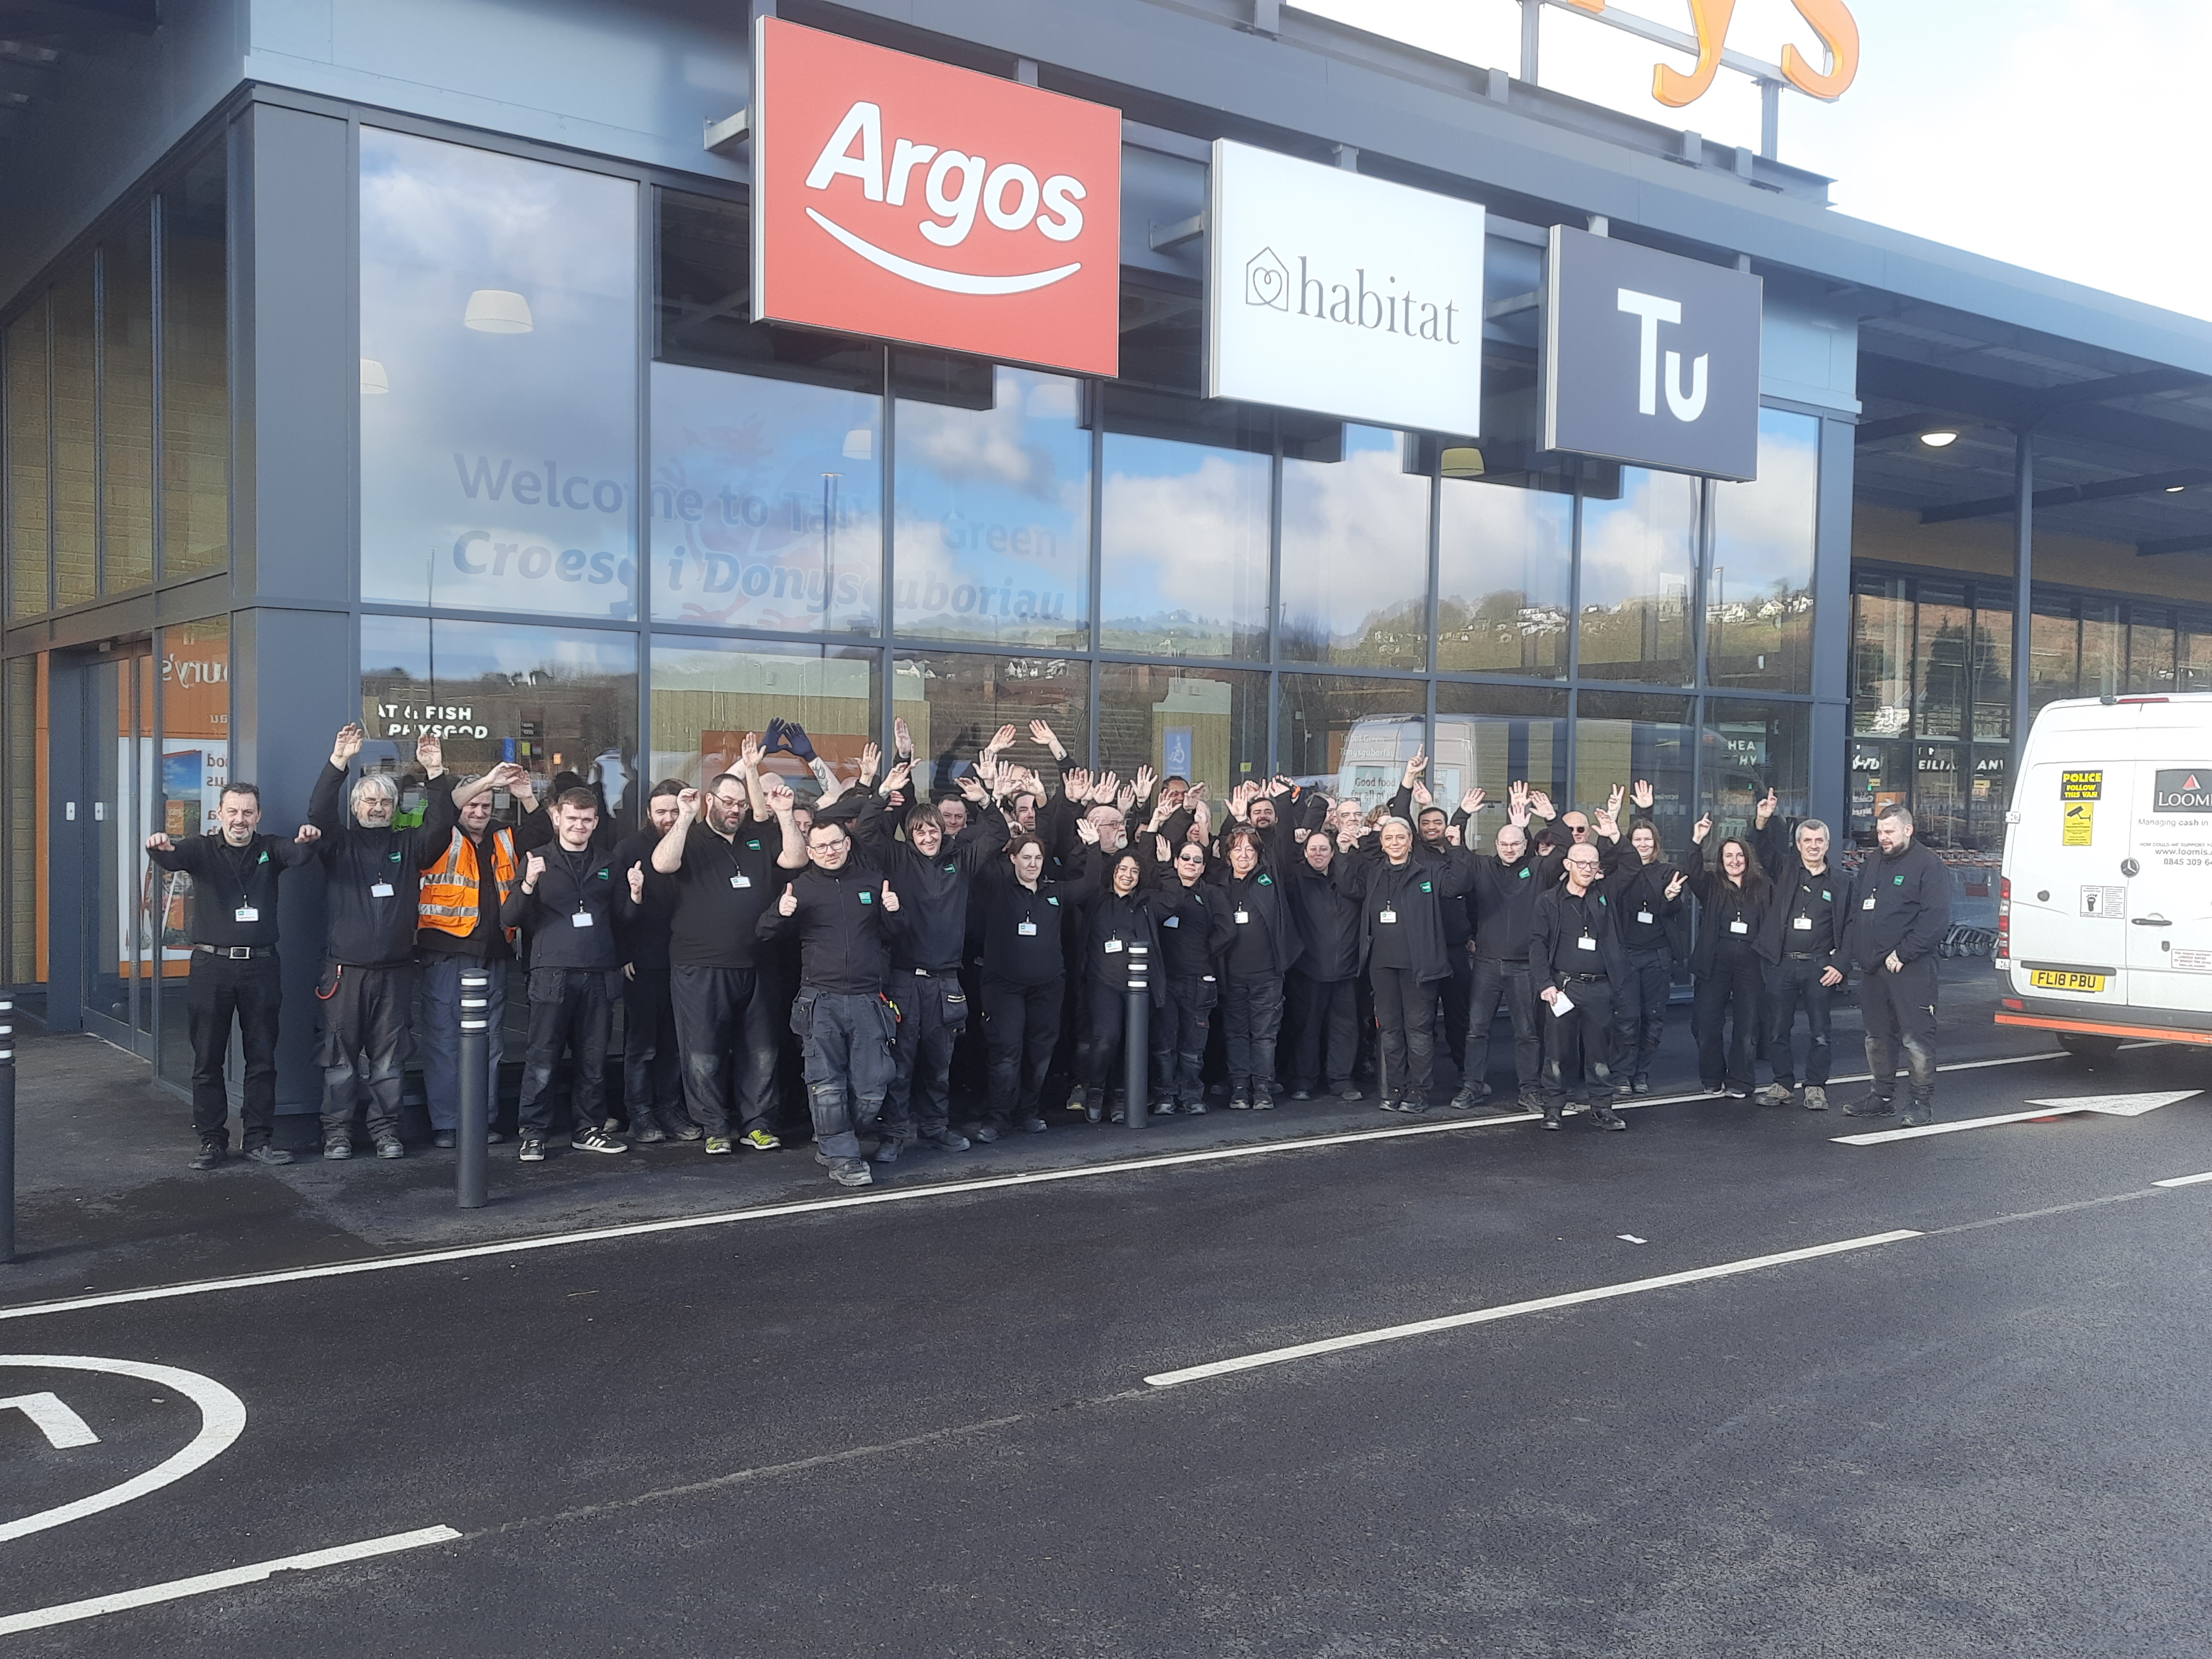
(1832, 21)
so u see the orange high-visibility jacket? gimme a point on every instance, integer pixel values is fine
(451, 890)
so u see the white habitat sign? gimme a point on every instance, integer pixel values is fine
(1342, 295)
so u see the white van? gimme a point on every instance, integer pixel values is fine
(2104, 912)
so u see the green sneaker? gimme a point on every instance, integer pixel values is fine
(717, 1145)
(761, 1141)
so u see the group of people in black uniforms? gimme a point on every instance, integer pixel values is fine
(1294, 945)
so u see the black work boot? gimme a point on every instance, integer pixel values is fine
(1605, 1117)
(1874, 1105)
(211, 1152)
(1921, 1108)
(1551, 1113)
(645, 1128)
(677, 1123)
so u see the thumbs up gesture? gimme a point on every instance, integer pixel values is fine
(534, 872)
(890, 899)
(788, 904)
(637, 883)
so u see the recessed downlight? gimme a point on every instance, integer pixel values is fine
(1941, 437)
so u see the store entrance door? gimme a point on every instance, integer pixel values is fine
(111, 823)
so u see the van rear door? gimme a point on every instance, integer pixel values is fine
(2070, 898)
(2170, 897)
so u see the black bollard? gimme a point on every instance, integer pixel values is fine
(7, 1126)
(1137, 1036)
(469, 1176)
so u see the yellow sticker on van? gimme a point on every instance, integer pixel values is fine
(2080, 786)
(2080, 823)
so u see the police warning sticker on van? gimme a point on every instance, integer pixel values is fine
(2080, 786)
(2079, 825)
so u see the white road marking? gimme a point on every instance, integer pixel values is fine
(2109, 1105)
(2122, 1105)
(1631, 1238)
(53, 1418)
(1514, 1310)
(857, 1200)
(222, 1418)
(2184, 1181)
(176, 1589)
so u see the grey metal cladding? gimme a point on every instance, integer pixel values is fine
(1650, 358)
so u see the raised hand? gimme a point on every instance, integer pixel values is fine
(1704, 828)
(1145, 782)
(1125, 798)
(870, 759)
(748, 753)
(1612, 801)
(972, 788)
(1000, 739)
(430, 754)
(1642, 796)
(1076, 782)
(1674, 887)
(637, 883)
(890, 899)
(533, 872)
(1279, 785)
(1088, 831)
(1195, 793)
(1160, 848)
(776, 795)
(1451, 834)
(1042, 731)
(902, 736)
(347, 743)
(687, 804)
(158, 843)
(1608, 825)
(1201, 817)
(1471, 802)
(509, 775)
(895, 780)
(1104, 791)
(1415, 766)
(308, 834)
(1766, 807)
(1540, 803)
(1422, 797)
(788, 904)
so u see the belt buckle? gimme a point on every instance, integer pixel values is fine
(240, 953)
(921, 973)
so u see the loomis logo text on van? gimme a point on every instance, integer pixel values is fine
(955, 185)
(2182, 789)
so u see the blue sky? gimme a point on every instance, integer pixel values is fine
(2052, 134)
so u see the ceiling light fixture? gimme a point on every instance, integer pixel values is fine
(1462, 461)
(498, 310)
(1939, 440)
(2175, 489)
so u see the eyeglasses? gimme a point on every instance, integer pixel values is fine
(1579, 829)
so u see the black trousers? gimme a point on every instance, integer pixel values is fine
(365, 1021)
(1577, 1045)
(1405, 1032)
(1323, 1019)
(727, 1029)
(571, 1009)
(933, 1015)
(1900, 1013)
(1457, 993)
(1252, 1015)
(845, 1038)
(1496, 979)
(1725, 1020)
(1021, 1024)
(221, 990)
(1791, 985)
(1639, 1012)
(1179, 1031)
(1105, 1016)
(653, 1065)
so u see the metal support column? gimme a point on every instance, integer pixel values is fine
(469, 1175)
(7, 1126)
(1532, 27)
(2023, 606)
(1137, 1038)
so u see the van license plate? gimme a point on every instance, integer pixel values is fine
(2054, 979)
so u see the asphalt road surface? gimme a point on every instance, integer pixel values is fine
(922, 1424)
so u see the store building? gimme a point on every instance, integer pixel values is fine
(398, 362)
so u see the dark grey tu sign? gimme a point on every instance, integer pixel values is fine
(1650, 358)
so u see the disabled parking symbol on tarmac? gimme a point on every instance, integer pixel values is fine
(64, 1427)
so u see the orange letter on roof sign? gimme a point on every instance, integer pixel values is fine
(1839, 32)
(1672, 88)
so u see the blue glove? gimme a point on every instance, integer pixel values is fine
(796, 740)
(772, 740)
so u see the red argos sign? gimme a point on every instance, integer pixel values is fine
(907, 199)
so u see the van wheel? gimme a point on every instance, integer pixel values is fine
(2083, 1047)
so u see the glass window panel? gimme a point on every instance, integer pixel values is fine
(1184, 548)
(1759, 604)
(1638, 555)
(126, 406)
(708, 694)
(2055, 643)
(2150, 649)
(25, 958)
(556, 700)
(2103, 648)
(954, 703)
(2193, 654)
(1882, 658)
(1939, 794)
(195, 765)
(1940, 672)
(195, 370)
(1504, 558)
(1203, 725)
(767, 500)
(76, 529)
(1752, 747)
(994, 525)
(1349, 736)
(1621, 736)
(26, 420)
(499, 366)
(1488, 737)
(1988, 794)
(1992, 653)
(1880, 776)
(1355, 564)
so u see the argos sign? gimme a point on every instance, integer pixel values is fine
(900, 197)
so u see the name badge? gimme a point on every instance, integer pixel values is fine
(741, 881)
(1869, 905)
(1026, 929)
(1644, 916)
(1803, 924)
(1387, 915)
(246, 913)
(1172, 921)
(383, 890)
(1242, 916)
(1585, 943)
(1112, 947)
(581, 919)
(1739, 927)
